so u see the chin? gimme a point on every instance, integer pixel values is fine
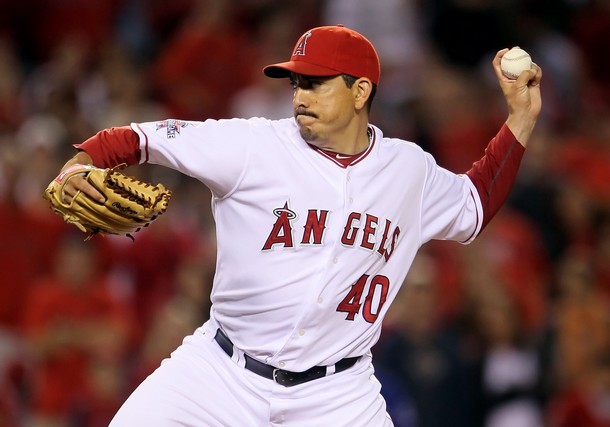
(307, 134)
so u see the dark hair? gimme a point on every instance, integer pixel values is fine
(349, 82)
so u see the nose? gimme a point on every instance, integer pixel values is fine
(300, 98)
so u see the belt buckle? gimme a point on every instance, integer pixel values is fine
(282, 378)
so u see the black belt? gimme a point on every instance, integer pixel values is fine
(280, 376)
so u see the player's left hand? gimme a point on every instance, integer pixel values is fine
(522, 97)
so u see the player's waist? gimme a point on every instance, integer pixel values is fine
(281, 376)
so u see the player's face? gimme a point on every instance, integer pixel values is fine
(323, 108)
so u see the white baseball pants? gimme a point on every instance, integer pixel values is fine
(201, 386)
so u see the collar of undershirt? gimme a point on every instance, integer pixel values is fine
(347, 159)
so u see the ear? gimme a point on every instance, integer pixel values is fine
(361, 90)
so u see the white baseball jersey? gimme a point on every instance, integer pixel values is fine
(311, 252)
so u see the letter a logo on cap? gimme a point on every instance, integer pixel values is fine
(299, 49)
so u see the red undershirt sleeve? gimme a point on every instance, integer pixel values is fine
(112, 147)
(493, 176)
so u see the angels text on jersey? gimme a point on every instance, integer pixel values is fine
(360, 229)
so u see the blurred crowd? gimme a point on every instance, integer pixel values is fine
(510, 331)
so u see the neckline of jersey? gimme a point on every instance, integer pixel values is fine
(345, 160)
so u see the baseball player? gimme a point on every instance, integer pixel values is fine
(318, 218)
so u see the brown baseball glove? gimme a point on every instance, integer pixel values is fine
(130, 203)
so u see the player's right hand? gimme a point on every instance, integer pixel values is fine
(72, 180)
(77, 183)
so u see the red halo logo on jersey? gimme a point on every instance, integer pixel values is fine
(281, 232)
(173, 126)
(299, 50)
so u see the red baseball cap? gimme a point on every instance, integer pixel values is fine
(330, 51)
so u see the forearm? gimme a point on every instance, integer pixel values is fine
(522, 127)
(80, 158)
(111, 147)
(494, 174)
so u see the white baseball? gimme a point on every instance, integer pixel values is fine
(514, 62)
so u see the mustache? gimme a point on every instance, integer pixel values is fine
(303, 112)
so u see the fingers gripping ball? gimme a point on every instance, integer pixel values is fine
(514, 62)
(130, 203)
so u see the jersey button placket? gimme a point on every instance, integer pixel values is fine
(349, 199)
